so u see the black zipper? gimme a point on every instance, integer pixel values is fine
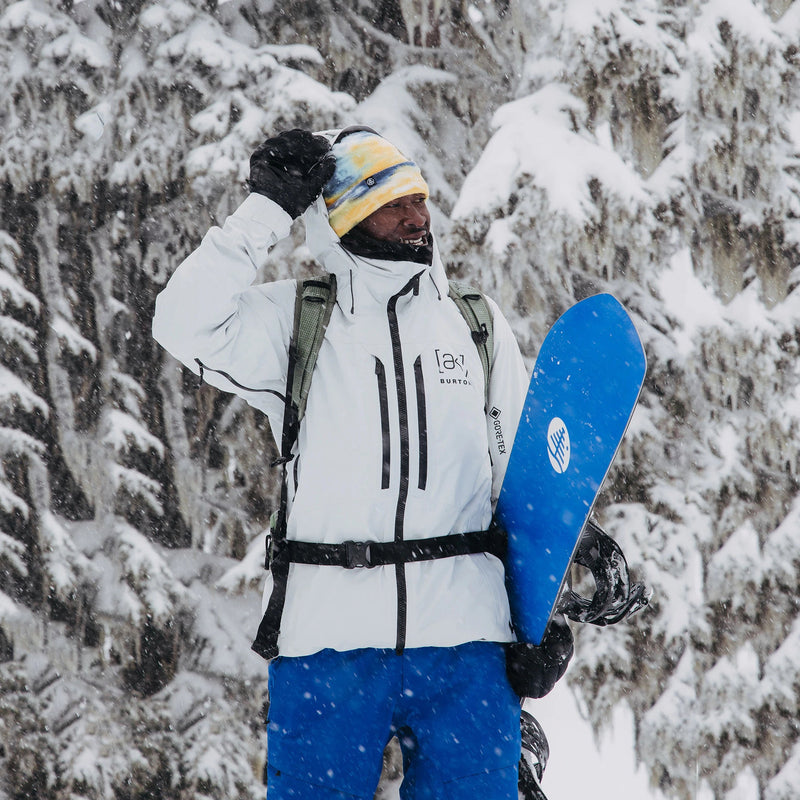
(402, 496)
(422, 425)
(383, 398)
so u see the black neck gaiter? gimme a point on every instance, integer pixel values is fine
(362, 244)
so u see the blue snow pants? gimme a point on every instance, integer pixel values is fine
(332, 713)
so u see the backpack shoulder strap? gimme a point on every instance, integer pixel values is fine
(474, 308)
(312, 312)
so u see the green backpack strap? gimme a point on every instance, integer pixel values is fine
(312, 312)
(475, 309)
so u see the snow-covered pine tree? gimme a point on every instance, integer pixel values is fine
(653, 154)
(132, 498)
(645, 148)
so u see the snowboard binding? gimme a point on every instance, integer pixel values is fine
(615, 598)
(533, 759)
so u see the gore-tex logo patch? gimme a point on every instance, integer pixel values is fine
(452, 367)
(498, 430)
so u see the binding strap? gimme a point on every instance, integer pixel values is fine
(615, 597)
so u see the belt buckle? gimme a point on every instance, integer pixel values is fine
(357, 554)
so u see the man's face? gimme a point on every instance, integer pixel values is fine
(405, 220)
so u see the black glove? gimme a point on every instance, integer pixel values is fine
(533, 670)
(291, 169)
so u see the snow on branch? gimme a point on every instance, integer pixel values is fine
(782, 551)
(13, 332)
(73, 48)
(124, 432)
(16, 394)
(713, 27)
(148, 575)
(71, 340)
(11, 550)
(540, 140)
(735, 572)
(783, 786)
(26, 15)
(248, 573)
(65, 567)
(138, 485)
(8, 608)
(13, 293)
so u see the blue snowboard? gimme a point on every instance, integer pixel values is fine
(584, 387)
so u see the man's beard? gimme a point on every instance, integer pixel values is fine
(360, 243)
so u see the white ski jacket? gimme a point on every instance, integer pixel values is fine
(395, 440)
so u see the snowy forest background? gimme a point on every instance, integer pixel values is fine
(644, 147)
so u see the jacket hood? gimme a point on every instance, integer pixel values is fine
(362, 280)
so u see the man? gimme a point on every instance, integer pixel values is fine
(395, 447)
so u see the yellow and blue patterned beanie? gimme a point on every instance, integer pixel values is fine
(370, 172)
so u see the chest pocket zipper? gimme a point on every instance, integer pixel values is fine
(383, 398)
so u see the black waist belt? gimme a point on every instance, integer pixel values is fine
(352, 555)
(377, 554)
